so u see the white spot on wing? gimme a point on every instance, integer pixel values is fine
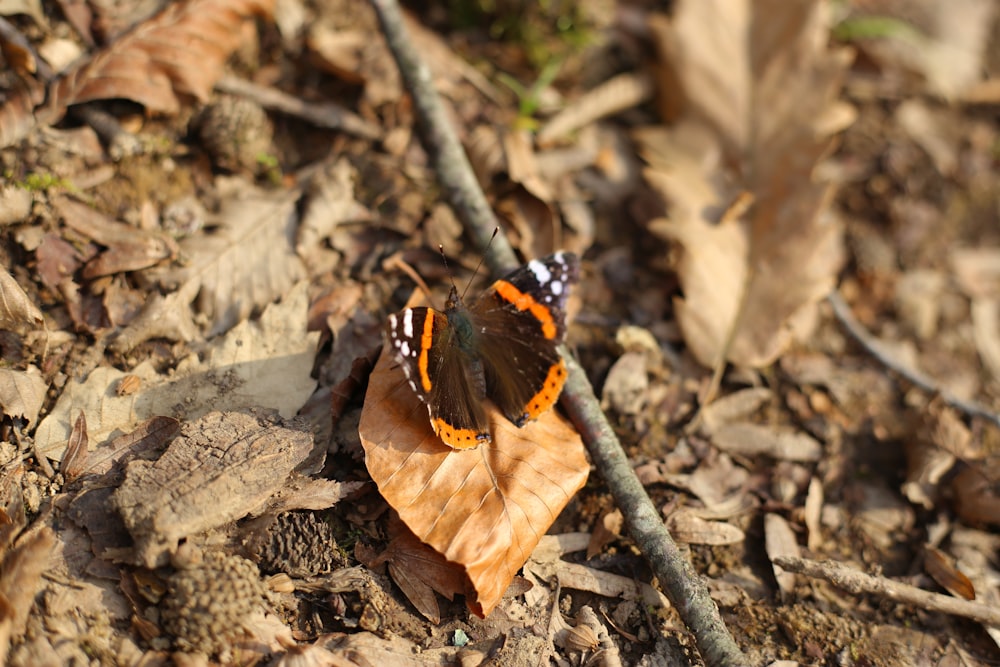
(557, 287)
(404, 348)
(408, 323)
(541, 272)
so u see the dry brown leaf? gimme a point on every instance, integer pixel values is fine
(759, 86)
(364, 649)
(546, 563)
(17, 116)
(687, 527)
(248, 259)
(715, 481)
(626, 387)
(236, 371)
(17, 312)
(977, 271)
(15, 204)
(734, 407)
(168, 317)
(20, 573)
(180, 51)
(882, 515)
(75, 461)
(942, 441)
(812, 513)
(608, 529)
(129, 248)
(977, 501)
(221, 468)
(782, 443)
(22, 393)
(56, 260)
(944, 41)
(150, 435)
(419, 571)
(483, 509)
(942, 569)
(779, 540)
(329, 203)
(307, 493)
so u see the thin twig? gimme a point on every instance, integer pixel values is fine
(880, 351)
(325, 114)
(857, 582)
(686, 590)
(441, 143)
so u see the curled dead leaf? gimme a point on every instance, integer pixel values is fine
(180, 51)
(779, 540)
(941, 567)
(688, 528)
(17, 312)
(22, 393)
(483, 509)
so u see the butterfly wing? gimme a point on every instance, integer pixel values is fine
(520, 322)
(441, 375)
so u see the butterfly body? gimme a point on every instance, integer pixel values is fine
(503, 347)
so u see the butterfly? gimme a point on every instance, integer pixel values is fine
(502, 346)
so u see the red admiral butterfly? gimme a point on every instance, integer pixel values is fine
(503, 346)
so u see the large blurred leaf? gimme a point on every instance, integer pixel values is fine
(757, 86)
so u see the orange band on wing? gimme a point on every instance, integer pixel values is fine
(549, 393)
(458, 438)
(523, 301)
(426, 338)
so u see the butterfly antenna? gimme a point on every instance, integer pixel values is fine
(481, 260)
(447, 268)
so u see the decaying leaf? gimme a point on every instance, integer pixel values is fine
(941, 567)
(180, 51)
(812, 514)
(688, 528)
(239, 370)
(934, 452)
(220, 468)
(245, 262)
(779, 540)
(17, 116)
(946, 42)
(977, 500)
(75, 461)
(607, 529)
(22, 393)
(419, 571)
(759, 87)
(329, 203)
(977, 271)
(128, 248)
(17, 312)
(21, 571)
(724, 422)
(483, 509)
(546, 563)
(782, 443)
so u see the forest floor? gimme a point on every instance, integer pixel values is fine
(787, 218)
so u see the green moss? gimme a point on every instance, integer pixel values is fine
(41, 182)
